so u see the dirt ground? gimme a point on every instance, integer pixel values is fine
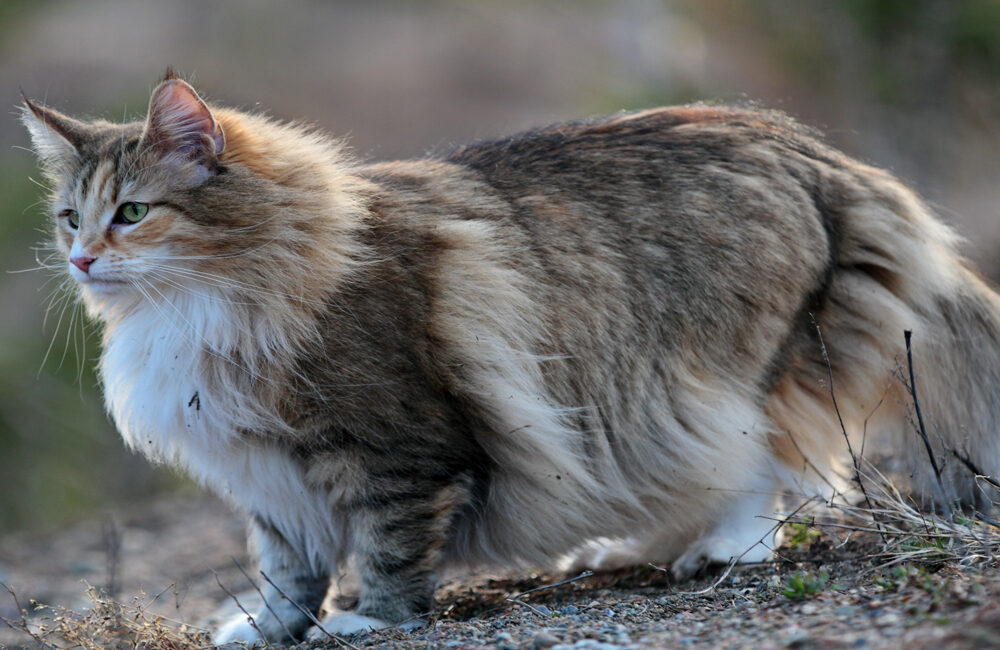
(824, 591)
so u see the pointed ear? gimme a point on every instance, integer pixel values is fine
(55, 137)
(181, 127)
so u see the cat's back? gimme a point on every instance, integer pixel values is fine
(666, 218)
(656, 147)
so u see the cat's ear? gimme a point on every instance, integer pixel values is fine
(55, 137)
(181, 128)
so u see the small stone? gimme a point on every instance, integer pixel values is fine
(544, 640)
(569, 610)
(543, 610)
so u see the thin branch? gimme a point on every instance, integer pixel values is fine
(113, 546)
(733, 561)
(585, 574)
(711, 587)
(965, 460)
(22, 624)
(309, 615)
(843, 429)
(236, 600)
(516, 598)
(531, 607)
(261, 594)
(812, 466)
(907, 334)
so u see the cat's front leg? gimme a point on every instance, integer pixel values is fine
(398, 552)
(279, 620)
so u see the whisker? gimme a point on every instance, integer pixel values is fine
(69, 331)
(58, 275)
(229, 283)
(255, 226)
(221, 256)
(39, 184)
(224, 282)
(81, 351)
(201, 295)
(33, 268)
(159, 276)
(62, 312)
(206, 345)
(32, 205)
(60, 295)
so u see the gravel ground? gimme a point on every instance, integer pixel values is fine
(824, 592)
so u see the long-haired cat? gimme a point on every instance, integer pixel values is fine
(608, 329)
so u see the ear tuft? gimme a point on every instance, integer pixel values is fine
(170, 74)
(181, 126)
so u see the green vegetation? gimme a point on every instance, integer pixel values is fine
(803, 586)
(801, 533)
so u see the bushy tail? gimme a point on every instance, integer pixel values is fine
(896, 269)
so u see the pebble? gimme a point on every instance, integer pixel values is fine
(544, 640)
(569, 610)
(587, 644)
(504, 641)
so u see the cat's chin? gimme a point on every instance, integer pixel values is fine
(105, 287)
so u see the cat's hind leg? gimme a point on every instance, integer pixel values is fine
(279, 619)
(747, 530)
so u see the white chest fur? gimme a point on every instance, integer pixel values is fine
(157, 392)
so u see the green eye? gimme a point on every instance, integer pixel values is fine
(73, 217)
(133, 212)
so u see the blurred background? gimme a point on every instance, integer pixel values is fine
(911, 85)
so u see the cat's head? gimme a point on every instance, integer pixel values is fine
(194, 198)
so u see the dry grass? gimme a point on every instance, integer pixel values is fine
(107, 624)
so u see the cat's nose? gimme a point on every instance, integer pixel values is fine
(82, 262)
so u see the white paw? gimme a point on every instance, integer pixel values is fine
(236, 630)
(344, 623)
(604, 555)
(715, 550)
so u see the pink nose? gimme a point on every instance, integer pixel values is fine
(82, 262)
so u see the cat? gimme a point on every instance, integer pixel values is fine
(619, 329)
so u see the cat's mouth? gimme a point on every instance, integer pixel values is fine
(100, 284)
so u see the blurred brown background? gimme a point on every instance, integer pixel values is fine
(908, 85)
